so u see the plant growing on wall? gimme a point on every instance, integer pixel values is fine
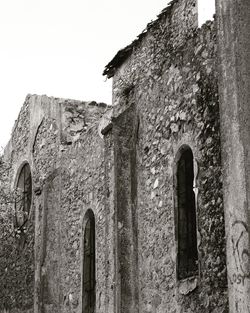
(16, 249)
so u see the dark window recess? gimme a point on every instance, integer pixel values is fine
(23, 196)
(187, 236)
(89, 296)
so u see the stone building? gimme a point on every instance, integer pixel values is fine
(121, 208)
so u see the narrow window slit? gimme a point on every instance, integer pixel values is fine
(89, 282)
(187, 261)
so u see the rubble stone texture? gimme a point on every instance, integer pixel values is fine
(120, 162)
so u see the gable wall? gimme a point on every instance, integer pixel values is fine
(61, 142)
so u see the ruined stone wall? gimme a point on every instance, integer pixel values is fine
(165, 96)
(84, 187)
(17, 245)
(170, 81)
(73, 159)
(60, 140)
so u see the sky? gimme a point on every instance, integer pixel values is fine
(60, 47)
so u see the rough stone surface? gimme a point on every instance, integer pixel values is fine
(170, 79)
(59, 139)
(17, 245)
(121, 164)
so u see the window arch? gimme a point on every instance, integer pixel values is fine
(89, 281)
(23, 196)
(187, 254)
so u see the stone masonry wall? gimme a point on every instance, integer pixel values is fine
(17, 244)
(60, 140)
(170, 80)
(84, 187)
(122, 168)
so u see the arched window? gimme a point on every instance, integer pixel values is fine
(24, 195)
(187, 260)
(89, 296)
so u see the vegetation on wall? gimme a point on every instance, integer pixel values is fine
(16, 249)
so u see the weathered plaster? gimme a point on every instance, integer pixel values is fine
(234, 66)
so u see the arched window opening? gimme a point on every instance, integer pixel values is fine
(23, 196)
(89, 282)
(187, 263)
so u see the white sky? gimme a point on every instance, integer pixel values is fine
(60, 47)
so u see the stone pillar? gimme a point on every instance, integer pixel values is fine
(233, 17)
(125, 203)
